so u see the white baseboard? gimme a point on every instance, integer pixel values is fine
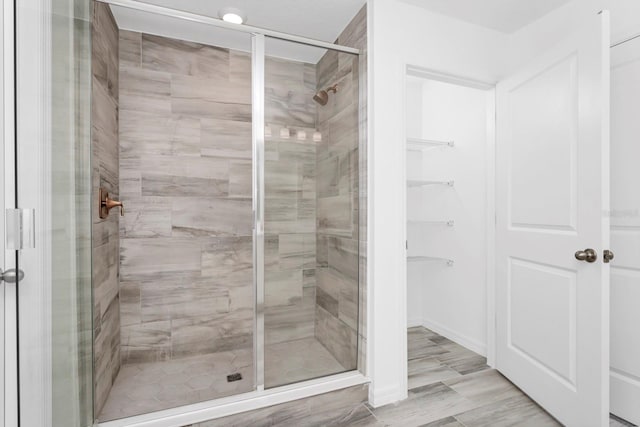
(463, 340)
(414, 322)
(378, 398)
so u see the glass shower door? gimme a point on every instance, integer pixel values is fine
(174, 281)
(49, 234)
(311, 178)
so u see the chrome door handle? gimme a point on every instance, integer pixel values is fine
(607, 255)
(588, 255)
(10, 276)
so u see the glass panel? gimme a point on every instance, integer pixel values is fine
(311, 212)
(173, 277)
(70, 215)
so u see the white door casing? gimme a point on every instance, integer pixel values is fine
(551, 190)
(625, 231)
(8, 356)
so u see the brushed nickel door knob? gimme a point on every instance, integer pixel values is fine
(588, 255)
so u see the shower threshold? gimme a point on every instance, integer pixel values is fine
(222, 407)
(155, 388)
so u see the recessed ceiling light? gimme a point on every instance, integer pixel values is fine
(233, 15)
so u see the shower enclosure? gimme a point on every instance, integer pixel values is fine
(236, 155)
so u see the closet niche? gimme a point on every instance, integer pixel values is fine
(448, 144)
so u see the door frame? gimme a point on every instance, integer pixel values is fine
(8, 379)
(490, 213)
(29, 28)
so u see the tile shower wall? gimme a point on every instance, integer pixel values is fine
(185, 167)
(104, 159)
(290, 201)
(341, 232)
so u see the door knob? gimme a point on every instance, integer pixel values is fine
(11, 276)
(607, 255)
(588, 255)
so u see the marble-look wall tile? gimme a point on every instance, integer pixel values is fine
(184, 58)
(185, 162)
(337, 337)
(152, 258)
(291, 322)
(340, 296)
(290, 201)
(105, 239)
(146, 342)
(130, 48)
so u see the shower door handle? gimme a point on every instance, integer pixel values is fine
(588, 255)
(11, 276)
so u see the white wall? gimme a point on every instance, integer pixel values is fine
(402, 34)
(538, 36)
(451, 300)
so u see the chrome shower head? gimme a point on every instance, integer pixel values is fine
(322, 96)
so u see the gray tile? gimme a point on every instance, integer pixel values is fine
(424, 405)
(152, 258)
(105, 238)
(225, 138)
(291, 322)
(421, 347)
(327, 302)
(176, 299)
(148, 387)
(337, 337)
(146, 342)
(293, 361)
(445, 422)
(282, 287)
(184, 58)
(619, 422)
(484, 387)
(462, 360)
(130, 48)
(428, 370)
(193, 216)
(518, 410)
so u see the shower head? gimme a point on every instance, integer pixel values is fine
(322, 96)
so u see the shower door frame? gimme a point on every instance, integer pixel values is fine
(38, 299)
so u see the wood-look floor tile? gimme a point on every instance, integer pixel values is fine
(619, 422)
(428, 370)
(423, 347)
(461, 359)
(445, 422)
(424, 405)
(518, 410)
(484, 387)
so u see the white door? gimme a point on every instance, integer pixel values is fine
(625, 231)
(552, 189)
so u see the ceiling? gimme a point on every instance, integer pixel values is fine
(505, 16)
(317, 19)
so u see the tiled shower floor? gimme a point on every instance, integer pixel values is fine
(149, 387)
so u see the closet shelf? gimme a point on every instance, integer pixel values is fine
(449, 223)
(419, 144)
(449, 262)
(421, 183)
